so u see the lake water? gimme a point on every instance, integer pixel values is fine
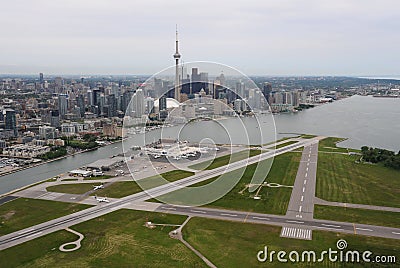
(363, 120)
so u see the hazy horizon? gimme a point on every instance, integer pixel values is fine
(274, 38)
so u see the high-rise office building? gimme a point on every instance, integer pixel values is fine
(41, 79)
(162, 103)
(112, 105)
(10, 121)
(138, 103)
(63, 105)
(266, 91)
(80, 102)
(149, 102)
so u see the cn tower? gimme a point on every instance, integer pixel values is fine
(177, 56)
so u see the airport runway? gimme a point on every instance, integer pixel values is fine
(284, 221)
(135, 201)
(301, 204)
(42, 229)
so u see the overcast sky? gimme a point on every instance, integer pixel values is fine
(297, 37)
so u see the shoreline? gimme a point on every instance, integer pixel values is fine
(55, 159)
(42, 163)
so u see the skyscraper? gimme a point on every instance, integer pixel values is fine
(138, 103)
(177, 56)
(62, 105)
(41, 80)
(80, 102)
(10, 120)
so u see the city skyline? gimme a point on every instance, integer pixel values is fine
(356, 38)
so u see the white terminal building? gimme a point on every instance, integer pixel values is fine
(176, 150)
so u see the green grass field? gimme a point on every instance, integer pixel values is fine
(272, 142)
(341, 179)
(285, 144)
(329, 145)
(225, 160)
(357, 215)
(123, 188)
(73, 188)
(273, 200)
(233, 244)
(307, 136)
(118, 239)
(24, 212)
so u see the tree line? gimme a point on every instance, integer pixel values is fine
(377, 155)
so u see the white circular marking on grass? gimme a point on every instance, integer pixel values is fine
(77, 243)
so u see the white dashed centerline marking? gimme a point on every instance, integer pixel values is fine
(329, 228)
(295, 221)
(198, 211)
(306, 175)
(260, 218)
(363, 229)
(170, 208)
(304, 189)
(331, 225)
(302, 198)
(305, 181)
(395, 233)
(230, 215)
(300, 208)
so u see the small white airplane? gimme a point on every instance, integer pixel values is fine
(101, 186)
(101, 199)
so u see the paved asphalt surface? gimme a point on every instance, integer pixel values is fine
(341, 227)
(136, 202)
(301, 204)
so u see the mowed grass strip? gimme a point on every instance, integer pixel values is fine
(341, 178)
(284, 144)
(358, 215)
(225, 160)
(118, 239)
(273, 200)
(235, 244)
(25, 212)
(122, 188)
(329, 145)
